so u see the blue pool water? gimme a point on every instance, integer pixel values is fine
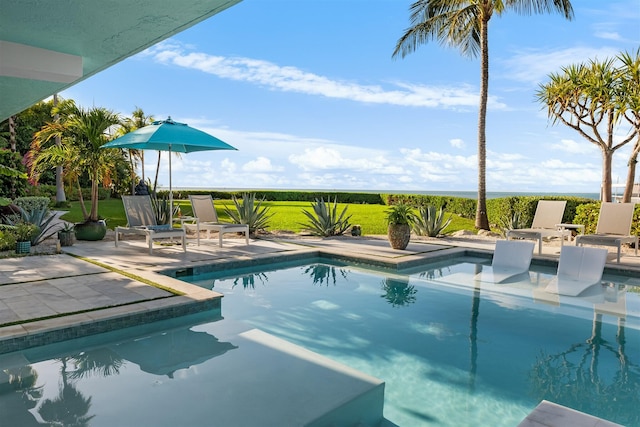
(452, 351)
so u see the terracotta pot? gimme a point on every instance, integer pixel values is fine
(399, 235)
(91, 230)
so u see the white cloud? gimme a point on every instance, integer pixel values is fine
(534, 65)
(573, 147)
(457, 143)
(259, 165)
(292, 79)
(608, 35)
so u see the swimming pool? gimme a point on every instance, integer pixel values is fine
(452, 351)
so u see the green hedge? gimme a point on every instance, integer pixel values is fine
(505, 207)
(31, 203)
(286, 196)
(463, 207)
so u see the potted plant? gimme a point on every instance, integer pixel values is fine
(24, 232)
(67, 236)
(82, 133)
(399, 219)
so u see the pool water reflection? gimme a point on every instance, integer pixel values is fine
(453, 351)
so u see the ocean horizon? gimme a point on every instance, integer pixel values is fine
(462, 194)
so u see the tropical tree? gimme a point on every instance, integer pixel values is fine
(630, 80)
(589, 98)
(464, 24)
(82, 133)
(137, 120)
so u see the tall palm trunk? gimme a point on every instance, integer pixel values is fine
(60, 196)
(13, 144)
(155, 182)
(482, 221)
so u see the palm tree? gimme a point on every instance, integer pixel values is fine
(137, 120)
(464, 24)
(82, 132)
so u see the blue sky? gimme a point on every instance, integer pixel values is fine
(309, 94)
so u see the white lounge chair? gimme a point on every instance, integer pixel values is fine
(579, 268)
(510, 259)
(545, 223)
(141, 220)
(206, 218)
(614, 227)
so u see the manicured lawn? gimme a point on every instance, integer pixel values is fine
(286, 215)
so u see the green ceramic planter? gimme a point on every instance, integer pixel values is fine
(23, 247)
(91, 230)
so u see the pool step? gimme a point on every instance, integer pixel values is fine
(549, 414)
(287, 385)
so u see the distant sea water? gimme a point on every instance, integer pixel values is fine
(463, 194)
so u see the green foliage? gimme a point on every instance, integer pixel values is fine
(588, 214)
(248, 212)
(500, 208)
(41, 220)
(13, 180)
(430, 222)
(511, 223)
(290, 196)
(7, 239)
(32, 203)
(325, 220)
(461, 206)
(400, 214)
(24, 231)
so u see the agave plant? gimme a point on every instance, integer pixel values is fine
(430, 222)
(512, 223)
(250, 213)
(325, 220)
(40, 218)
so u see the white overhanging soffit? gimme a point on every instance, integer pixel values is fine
(28, 62)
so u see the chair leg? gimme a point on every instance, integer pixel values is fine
(220, 238)
(540, 245)
(246, 235)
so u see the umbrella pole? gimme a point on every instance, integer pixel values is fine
(170, 192)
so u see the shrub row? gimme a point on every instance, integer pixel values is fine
(463, 207)
(31, 203)
(286, 196)
(498, 210)
(71, 194)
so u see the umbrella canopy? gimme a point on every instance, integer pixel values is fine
(167, 135)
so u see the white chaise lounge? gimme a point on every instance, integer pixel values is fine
(206, 218)
(545, 223)
(511, 258)
(613, 229)
(579, 268)
(142, 221)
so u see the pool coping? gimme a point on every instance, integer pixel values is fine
(195, 299)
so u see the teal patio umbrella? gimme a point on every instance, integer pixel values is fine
(167, 135)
